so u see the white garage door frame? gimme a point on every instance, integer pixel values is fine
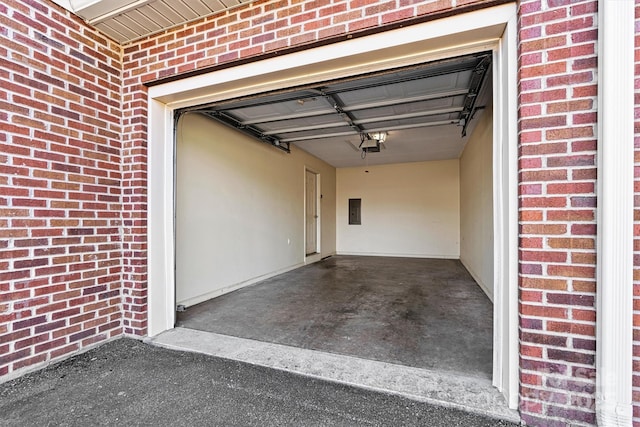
(486, 29)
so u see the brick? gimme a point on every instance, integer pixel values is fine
(585, 118)
(571, 356)
(570, 133)
(584, 286)
(47, 346)
(571, 271)
(543, 256)
(531, 216)
(31, 341)
(571, 188)
(544, 69)
(584, 63)
(543, 122)
(531, 242)
(570, 385)
(545, 148)
(546, 396)
(543, 44)
(587, 417)
(584, 36)
(15, 355)
(552, 340)
(572, 160)
(29, 322)
(572, 328)
(531, 296)
(583, 201)
(570, 79)
(546, 229)
(543, 366)
(571, 299)
(81, 335)
(584, 344)
(543, 284)
(31, 302)
(30, 263)
(571, 243)
(535, 19)
(544, 175)
(543, 311)
(14, 296)
(530, 351)
(567, 26)
(532, 420)
(14, 336)
(528, 85)
(530, 189)
(573, 215)
(40, 358)
(530, 33)
(49, 326)
(584, 8)
(65, 350)
(397, 15)
(569, 106)
(531, 268)
(583, 229)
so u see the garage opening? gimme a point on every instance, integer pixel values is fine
(273, 172)
(414, 147)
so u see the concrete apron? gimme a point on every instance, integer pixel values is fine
(476, 395)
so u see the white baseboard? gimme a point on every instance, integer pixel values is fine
(225, 290)
(400, 255)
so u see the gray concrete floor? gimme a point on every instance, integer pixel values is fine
(422, 313)
(126, 382)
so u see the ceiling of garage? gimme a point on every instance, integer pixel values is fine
(128, 20)
(425, 111)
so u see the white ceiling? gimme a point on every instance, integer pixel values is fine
(411, 145)
(422, 109)
(128, 20)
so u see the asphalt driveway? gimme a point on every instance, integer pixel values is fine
(127, 382)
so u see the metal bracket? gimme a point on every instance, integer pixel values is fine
(477, 79)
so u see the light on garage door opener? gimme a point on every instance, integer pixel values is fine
(370, 142)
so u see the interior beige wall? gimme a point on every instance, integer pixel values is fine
(409, 209)
(476, 204)
(240, 209)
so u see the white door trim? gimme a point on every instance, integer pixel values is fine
(614, 315)
(505, 217)
(485, 29)
(316, 256)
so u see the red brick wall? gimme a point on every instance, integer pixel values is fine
(60, 206)
(557, 172)
(636, 245)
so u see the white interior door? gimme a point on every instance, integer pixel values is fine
(311, 213)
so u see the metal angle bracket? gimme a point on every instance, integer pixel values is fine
(475, 85)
